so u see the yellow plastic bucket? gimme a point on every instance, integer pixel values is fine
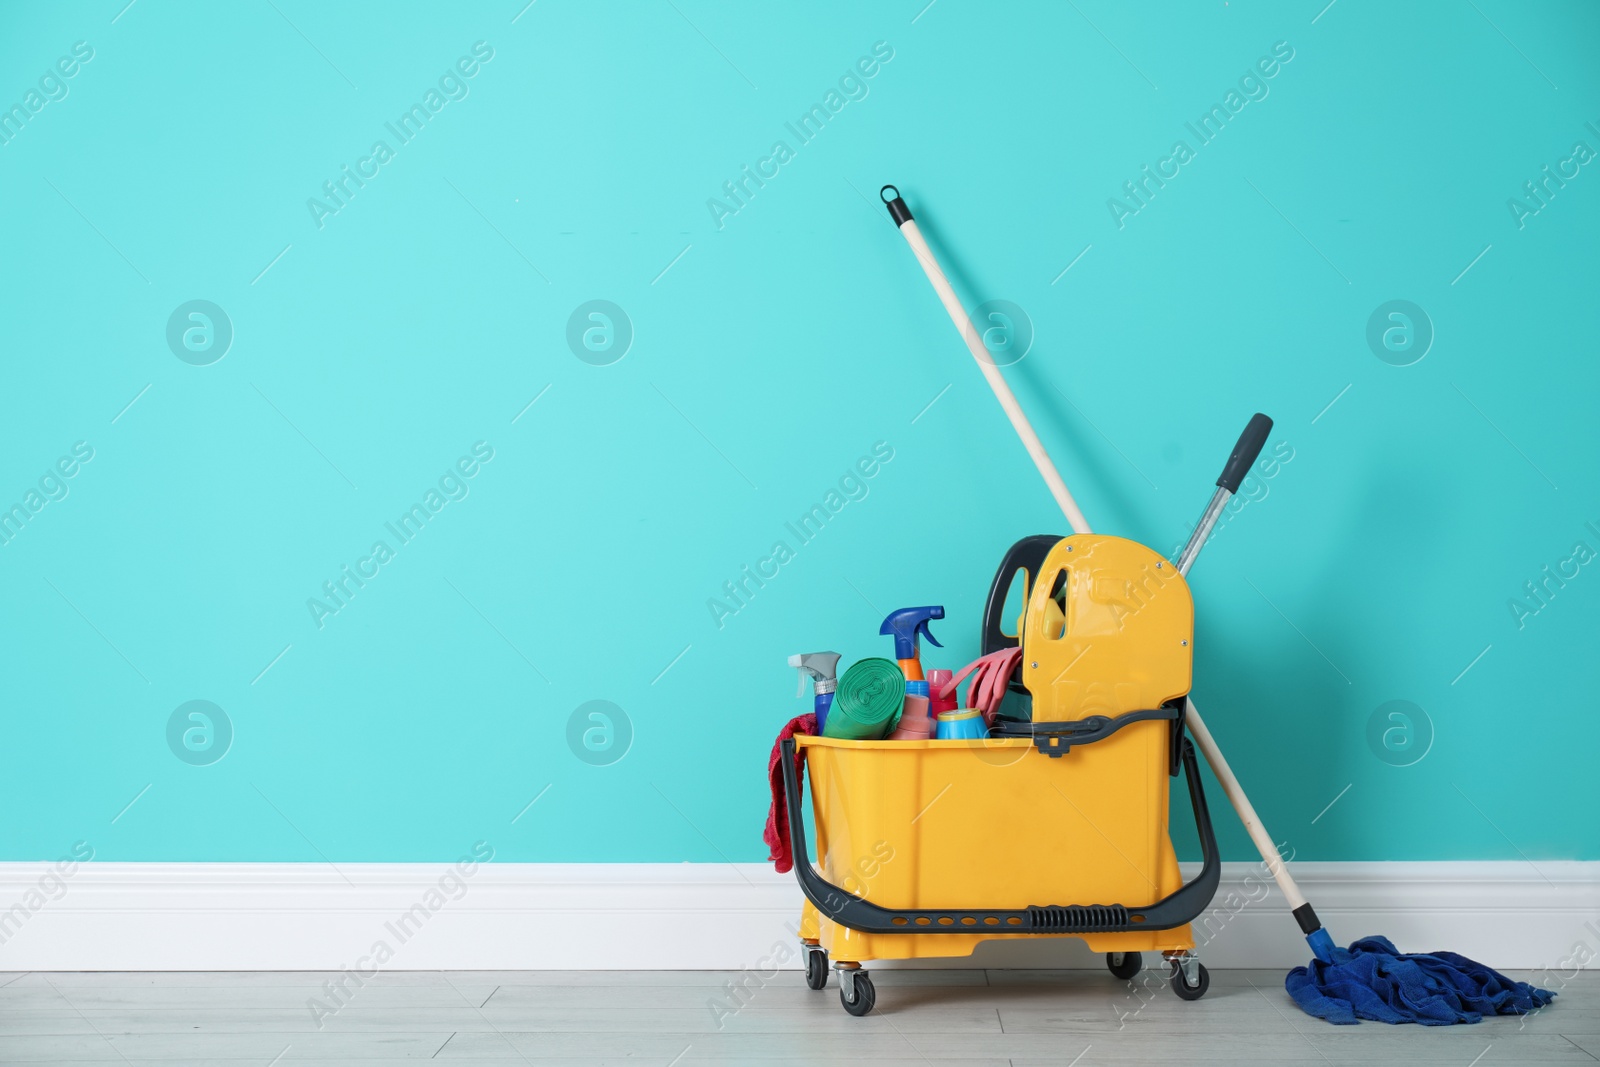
(992, 824)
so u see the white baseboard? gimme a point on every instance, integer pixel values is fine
(287, 916)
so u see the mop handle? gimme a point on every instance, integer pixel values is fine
(969, 334)
(1240, 461)
(901, 214)
(1270, 856)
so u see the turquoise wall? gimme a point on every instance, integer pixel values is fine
(387, 344)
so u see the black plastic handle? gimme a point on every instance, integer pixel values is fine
(898, 211)
(1245, 452)
(1027, 555)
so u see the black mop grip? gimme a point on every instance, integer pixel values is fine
(1306, 916)
(898, 211)
(1245, 452)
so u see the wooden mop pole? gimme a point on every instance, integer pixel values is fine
(997, 382)
(1069, 507)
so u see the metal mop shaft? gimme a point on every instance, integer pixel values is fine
(1320, 942)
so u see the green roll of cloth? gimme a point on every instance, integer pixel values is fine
(868, 701)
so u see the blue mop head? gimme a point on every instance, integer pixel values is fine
(1374, 980)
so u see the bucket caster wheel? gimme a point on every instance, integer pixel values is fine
(1190, 984)
(816, 967)
(856, 992)
(1124, 965)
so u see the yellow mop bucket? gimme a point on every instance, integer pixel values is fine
(927, 848)
(922, 831)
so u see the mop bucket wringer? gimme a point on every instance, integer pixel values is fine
(1055, 827)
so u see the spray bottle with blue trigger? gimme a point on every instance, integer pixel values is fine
(906, 625)
(823, 667)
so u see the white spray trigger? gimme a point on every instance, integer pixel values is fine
(794, 661)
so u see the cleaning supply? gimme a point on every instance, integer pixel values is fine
(823, 667)
(964, 725)
(906, 625)
(1364, 971)
(916, 717)
(916, 724)
(989, 676)
(1374, 980)
(869, 701)
(920, 854)
(939, 700)
(776, 834)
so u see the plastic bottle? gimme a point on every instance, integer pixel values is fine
(823, 667)
(906, 625)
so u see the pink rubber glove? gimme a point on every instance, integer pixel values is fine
(990, 674)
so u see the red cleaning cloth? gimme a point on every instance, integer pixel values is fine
(776, 834)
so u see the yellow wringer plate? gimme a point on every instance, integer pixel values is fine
(1109, 629)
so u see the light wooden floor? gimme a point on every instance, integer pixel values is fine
(941, 1018)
